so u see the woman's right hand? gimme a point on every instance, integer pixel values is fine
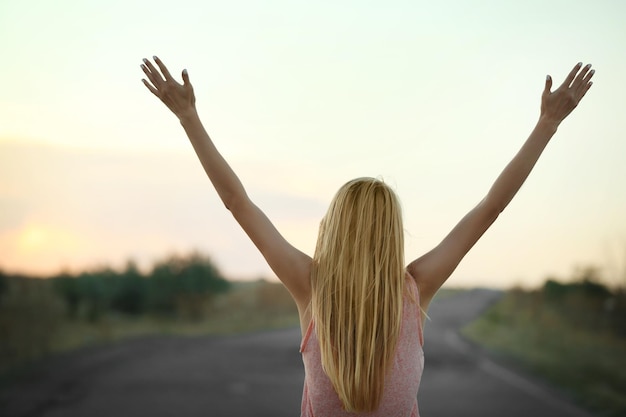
(558, 104)
(179, 98)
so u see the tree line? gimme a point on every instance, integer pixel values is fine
(177, 285)
(584, 301)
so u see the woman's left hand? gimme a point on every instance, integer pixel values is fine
(179, 98)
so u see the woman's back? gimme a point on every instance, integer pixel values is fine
(353, 286)
(319, 399)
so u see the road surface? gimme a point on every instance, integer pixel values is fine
(261, 374)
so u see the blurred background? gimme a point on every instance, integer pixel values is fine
(109, 227)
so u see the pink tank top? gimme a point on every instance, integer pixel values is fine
(319, 398)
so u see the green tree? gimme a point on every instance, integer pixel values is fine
(4, 285)
(67, 287)
(96, 290)
(185, 284)
(131, 292)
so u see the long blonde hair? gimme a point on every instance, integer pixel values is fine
(357, 290)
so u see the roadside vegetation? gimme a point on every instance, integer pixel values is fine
(181, 295)
(571, 334)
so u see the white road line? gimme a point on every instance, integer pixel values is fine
(513, 379)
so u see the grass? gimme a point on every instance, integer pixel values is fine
(249, 306)
(588, 362)
(34, 323)
(71, 335)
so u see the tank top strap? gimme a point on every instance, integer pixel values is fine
(415, 292)
(306, 336)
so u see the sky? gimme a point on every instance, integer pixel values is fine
(300, 97)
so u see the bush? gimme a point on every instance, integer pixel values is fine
(584, 302)
(176, 285)
(274, 297)
(30, 315)
(131, 293)
(566, 340)
(185, 285)
(3, 284)
(67, 287)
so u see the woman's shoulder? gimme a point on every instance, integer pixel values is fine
(411, 279)
(411, 286)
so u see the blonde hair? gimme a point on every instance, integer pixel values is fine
(357, 290)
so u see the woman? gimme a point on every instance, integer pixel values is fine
(361, 310)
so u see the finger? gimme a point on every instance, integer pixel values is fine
(586, 83)
(588, 76)
(186, 82)
(584, 91)
(147, 71)
(571, 75)
(150, 87)
(163, 68)
(548, 86)
(579, 78)
(579, 83)
(155, 75)
(153, 79)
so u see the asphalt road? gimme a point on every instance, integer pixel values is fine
(261, 374)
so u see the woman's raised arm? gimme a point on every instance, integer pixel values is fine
(432, 269)
(290, 265)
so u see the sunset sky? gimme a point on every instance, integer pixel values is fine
(434, 97)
